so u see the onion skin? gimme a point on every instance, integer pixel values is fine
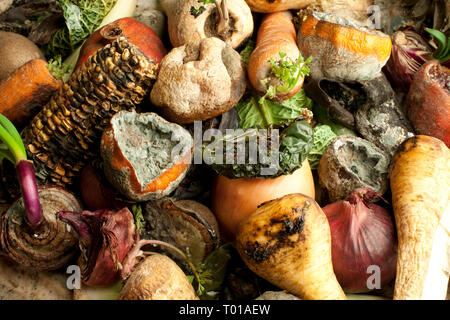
(107, 237)
(50, 247)
(362, 235)
(234, 199)
(409, 52)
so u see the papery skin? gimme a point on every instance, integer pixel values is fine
(362, 235)
(106, 237)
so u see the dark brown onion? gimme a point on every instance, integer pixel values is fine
(362, 235)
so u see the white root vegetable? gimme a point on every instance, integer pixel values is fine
(420, 175)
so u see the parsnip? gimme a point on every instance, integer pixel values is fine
(420, 175)
(287, 241)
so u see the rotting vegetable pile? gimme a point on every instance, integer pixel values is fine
(224, 149)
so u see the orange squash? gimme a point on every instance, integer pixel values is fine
(232, 200)
(26, 90)
(342, 50)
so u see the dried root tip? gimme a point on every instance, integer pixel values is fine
(53, 245)
(64, 136)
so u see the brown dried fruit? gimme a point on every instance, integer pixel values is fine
(184, 27)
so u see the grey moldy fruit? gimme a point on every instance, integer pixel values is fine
(64, 135)
(349, 163)
(144, 156)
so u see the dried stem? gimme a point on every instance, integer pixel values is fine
(224, 17)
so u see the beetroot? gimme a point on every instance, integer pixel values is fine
(105, 238)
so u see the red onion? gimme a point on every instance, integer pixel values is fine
(409, 52)
(106, 237)
(362, 235)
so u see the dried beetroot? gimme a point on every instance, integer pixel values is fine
(105, 238)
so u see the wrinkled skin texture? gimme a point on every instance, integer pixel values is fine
(428, 102)
(184, 27)
(199, 81)
(157, 277)
(106, 237)
(419, 176)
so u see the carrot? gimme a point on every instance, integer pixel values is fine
(26, 90)
(276, 37)
(420, 175)
(277, 5)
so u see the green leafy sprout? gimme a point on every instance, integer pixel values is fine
(442, 54)
(212, 271)
(247, 51)
(57, 68)
(138, 217)
(287, 73)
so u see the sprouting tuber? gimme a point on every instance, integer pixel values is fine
(29, 231)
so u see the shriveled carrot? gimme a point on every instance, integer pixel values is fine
(276, 35)
(26, 90)
(277, 5)
(420, 175)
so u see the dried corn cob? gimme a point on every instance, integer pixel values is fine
(65, 135)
